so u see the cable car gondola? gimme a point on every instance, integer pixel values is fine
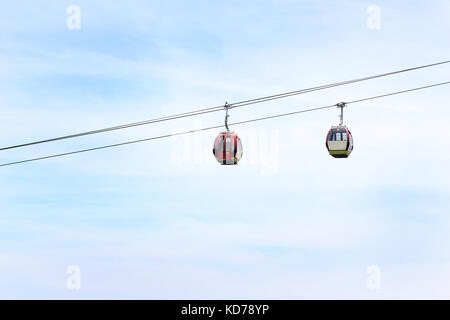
(227, 147)
(339, 140)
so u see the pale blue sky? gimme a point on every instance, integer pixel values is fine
(162, 219)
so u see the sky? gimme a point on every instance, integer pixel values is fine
(162, 219)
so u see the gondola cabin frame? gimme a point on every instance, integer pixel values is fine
(339, 142)
(227, 148)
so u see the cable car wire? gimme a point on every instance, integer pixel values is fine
(221, 107)
(288, 94)
(129, 125)
(220, 126)
(398, 92)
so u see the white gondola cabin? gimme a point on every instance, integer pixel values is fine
(339, 142)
